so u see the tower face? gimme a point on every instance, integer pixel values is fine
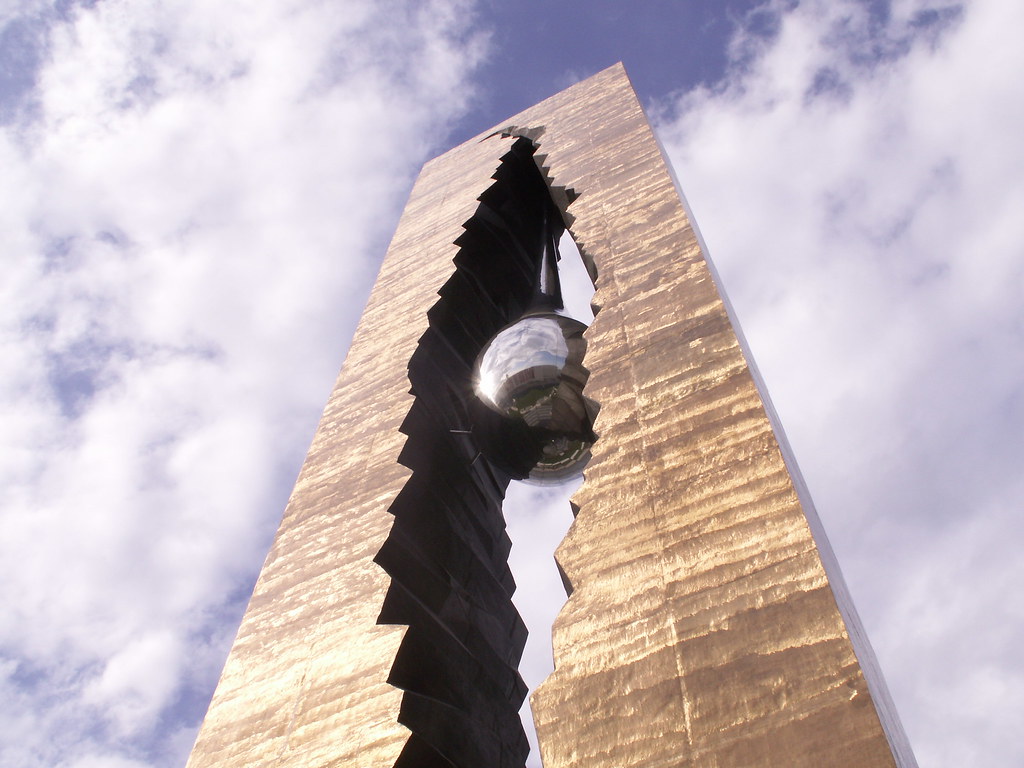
(706, 624)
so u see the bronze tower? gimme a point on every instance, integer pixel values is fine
(707, 624)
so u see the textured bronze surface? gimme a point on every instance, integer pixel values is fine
(702, 630)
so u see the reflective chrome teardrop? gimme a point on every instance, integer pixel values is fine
(533, 371)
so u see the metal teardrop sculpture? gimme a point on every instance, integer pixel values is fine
(532, 371)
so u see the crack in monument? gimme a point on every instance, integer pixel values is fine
(447, 551)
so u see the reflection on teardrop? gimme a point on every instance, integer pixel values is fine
(532, 371)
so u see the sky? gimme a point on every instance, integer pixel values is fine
(195, 198)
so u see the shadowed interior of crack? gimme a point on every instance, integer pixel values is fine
(447, 552)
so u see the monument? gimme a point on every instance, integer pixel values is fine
(706, 622)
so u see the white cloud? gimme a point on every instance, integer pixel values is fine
(194, 201)
(856, 178)
(138, 681)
